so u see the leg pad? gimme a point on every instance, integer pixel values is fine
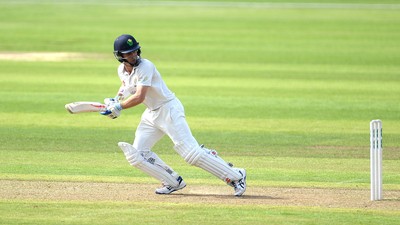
(160, 172)
(205, 159)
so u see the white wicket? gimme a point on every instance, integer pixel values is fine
(376, 159)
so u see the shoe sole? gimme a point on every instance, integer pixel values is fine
(159, 193)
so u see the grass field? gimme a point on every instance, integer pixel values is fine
(285, 90)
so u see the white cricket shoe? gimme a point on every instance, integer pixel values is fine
(240, 185)
(168, 189)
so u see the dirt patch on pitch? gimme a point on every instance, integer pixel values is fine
(47, 56)
(125, 192)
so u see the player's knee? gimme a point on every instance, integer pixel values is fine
(194, 155)
(191, 153)
(132, 155)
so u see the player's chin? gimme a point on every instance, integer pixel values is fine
(132, 61)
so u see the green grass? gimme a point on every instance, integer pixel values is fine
(29, 212)
(286, 93)
(145, 213)
(265, 171)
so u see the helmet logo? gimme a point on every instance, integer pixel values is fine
(130, 42)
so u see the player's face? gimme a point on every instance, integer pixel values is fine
(131, 56)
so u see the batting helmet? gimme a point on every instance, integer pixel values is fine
(124, 44)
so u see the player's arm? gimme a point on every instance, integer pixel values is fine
(120, 94)
(136, 98)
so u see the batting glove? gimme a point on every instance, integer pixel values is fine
(108, 101)
(113, 110)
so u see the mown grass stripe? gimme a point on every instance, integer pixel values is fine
(259, 5)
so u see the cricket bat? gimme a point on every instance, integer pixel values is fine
(82, 107)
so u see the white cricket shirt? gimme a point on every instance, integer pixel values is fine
(146, 74)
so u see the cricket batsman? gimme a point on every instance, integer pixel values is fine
(164, 115)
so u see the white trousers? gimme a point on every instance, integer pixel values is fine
(168, 119)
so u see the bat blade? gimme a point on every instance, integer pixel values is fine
(83, 107)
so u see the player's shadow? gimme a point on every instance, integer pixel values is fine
(256, 197)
